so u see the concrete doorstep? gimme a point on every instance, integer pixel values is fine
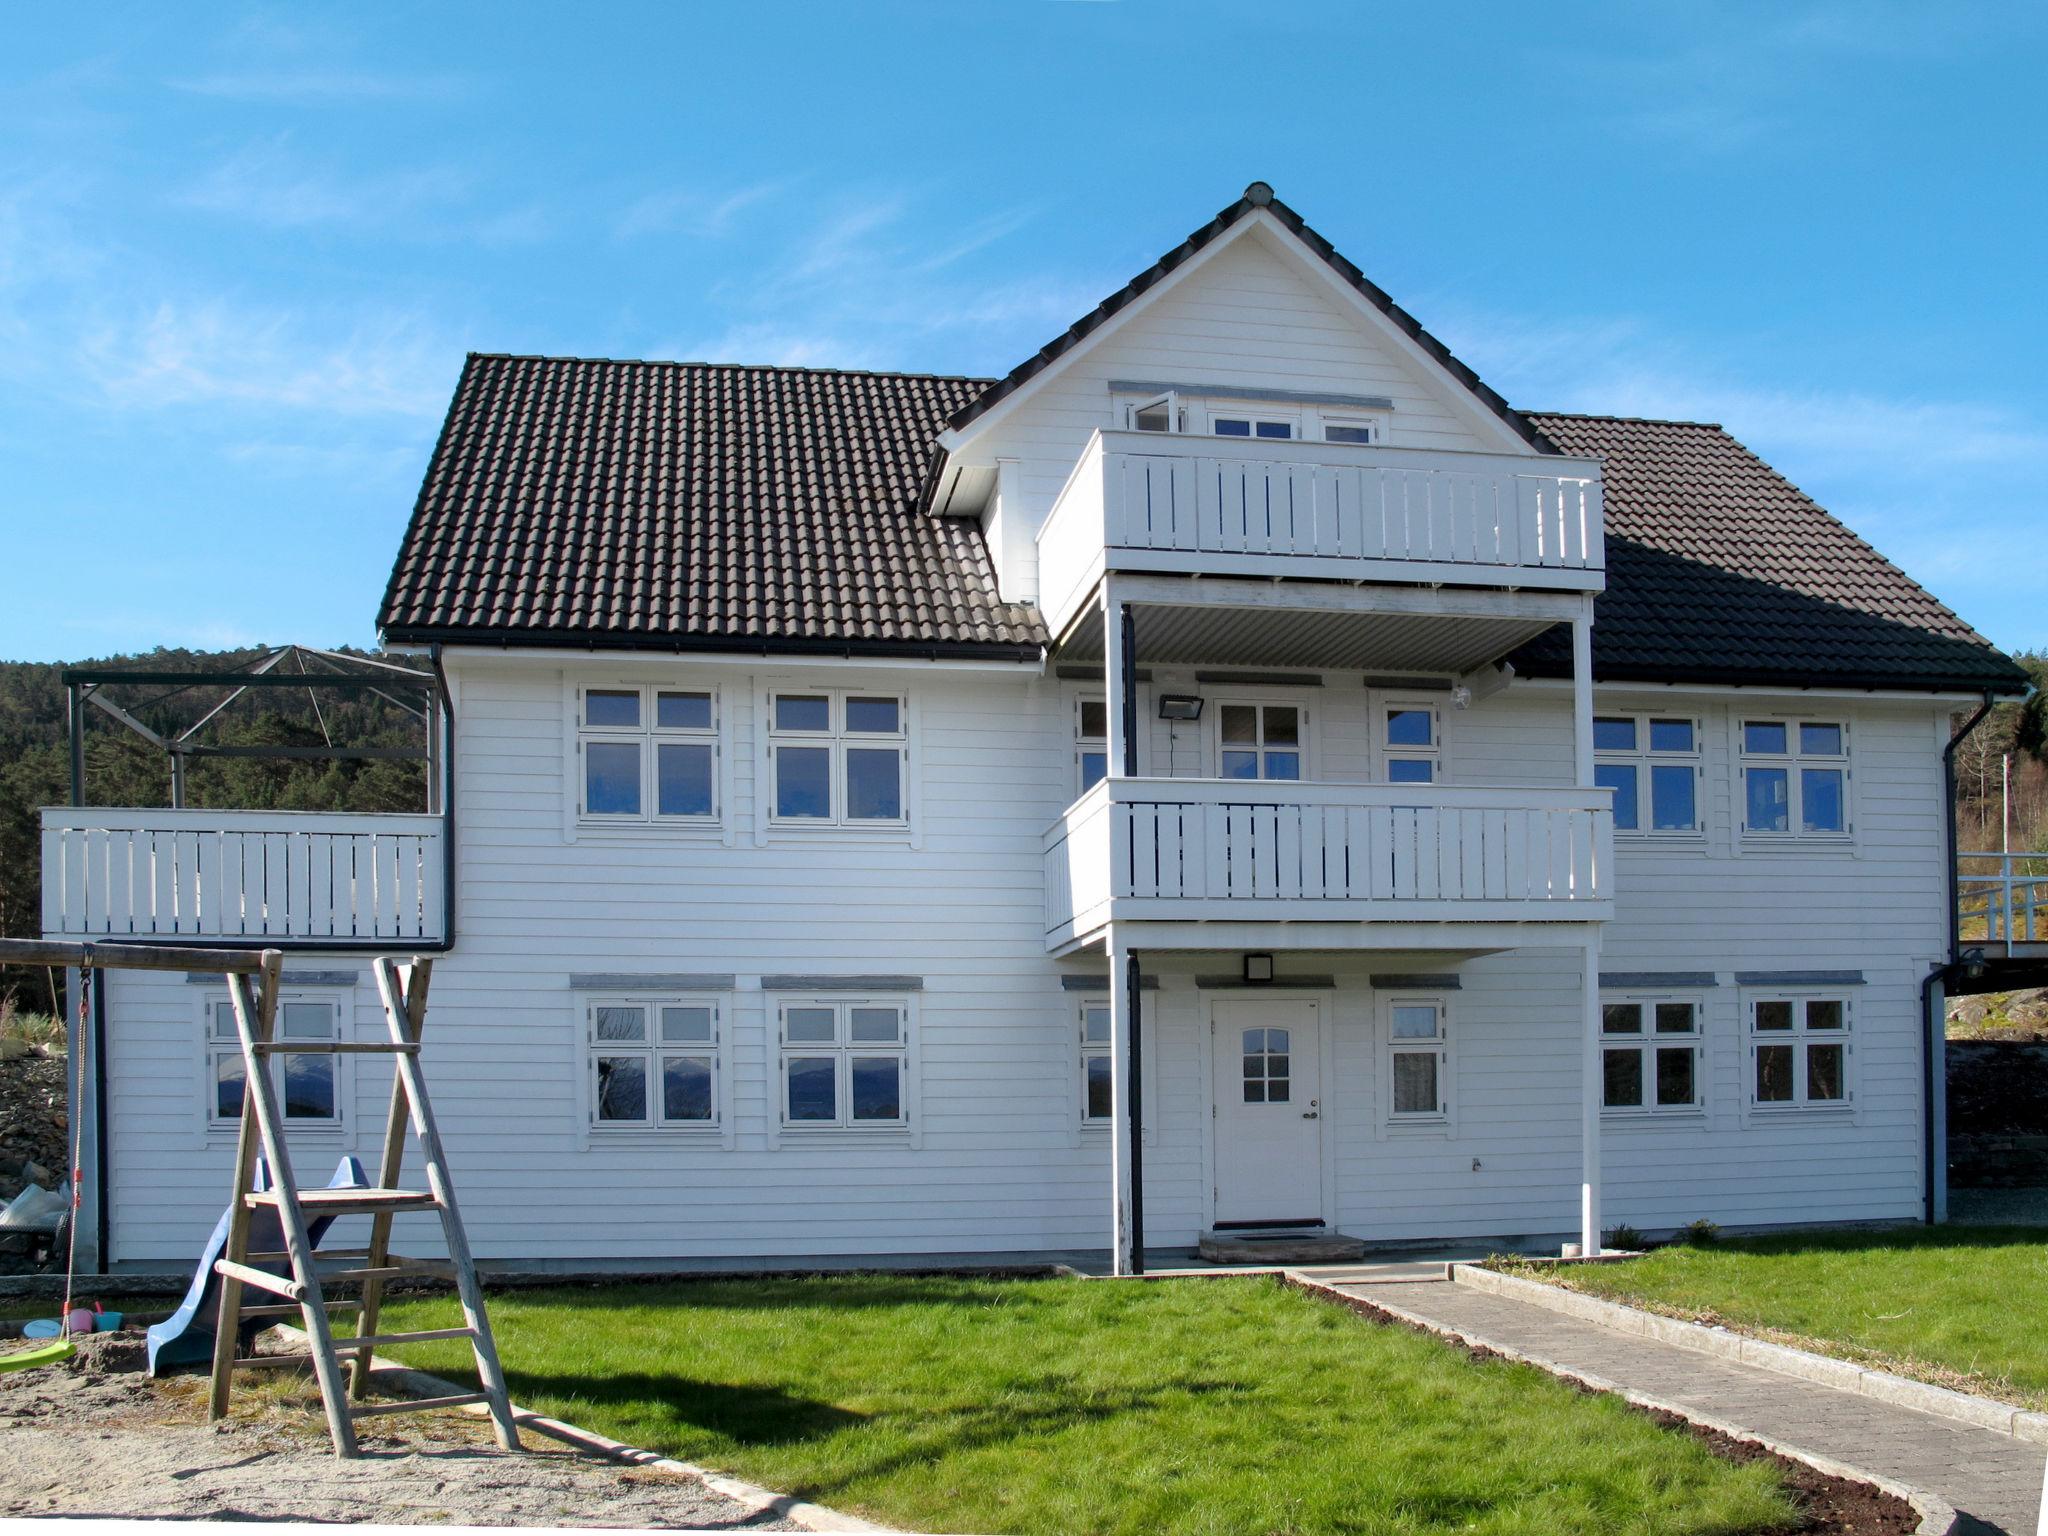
(1843, 1375)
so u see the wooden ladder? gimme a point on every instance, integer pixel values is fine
(403, 988)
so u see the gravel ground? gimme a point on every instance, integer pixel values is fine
(1999, 1207)
(95, 1437)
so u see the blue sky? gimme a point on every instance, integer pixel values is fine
(243, 250)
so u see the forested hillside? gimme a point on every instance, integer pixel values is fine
(124, 769)
(2012, 743)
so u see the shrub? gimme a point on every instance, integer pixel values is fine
(1700, 1234)
(1624, 1236)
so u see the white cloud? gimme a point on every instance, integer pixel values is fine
(693, 211)
(322, 85)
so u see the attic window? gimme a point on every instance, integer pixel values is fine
(1161, 413)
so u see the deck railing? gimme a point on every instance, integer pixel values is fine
(1147, 501)
(2002, 898)
(1204, 849)
(279, 875)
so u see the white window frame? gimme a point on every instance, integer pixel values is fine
(1387, 754)
(1252, 413)
(1645, 1044)
(837, 739)
(1085, 743)
(1795, 762)
(1800, 1038)
(1438, 1046)
(647, 739)
(1093, 1050)
(1262, 702)
(843, 1048)
(1129, 407)
(650, 1051)
(1359, 420)
(214, 1047)
(1643, 759)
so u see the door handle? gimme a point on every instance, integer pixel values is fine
(1308, 1114)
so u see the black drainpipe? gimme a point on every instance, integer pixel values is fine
(1928, 1022)
(447, 766)
(102, 1140)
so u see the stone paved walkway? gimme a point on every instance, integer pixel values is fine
(1989, 1477)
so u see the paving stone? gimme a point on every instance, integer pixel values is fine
(1985, 1474)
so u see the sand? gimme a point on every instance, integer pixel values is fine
(95, 1436)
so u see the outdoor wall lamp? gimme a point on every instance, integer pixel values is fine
(1180, 706)
(1258, 968)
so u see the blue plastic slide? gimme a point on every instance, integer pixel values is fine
(186, 1336)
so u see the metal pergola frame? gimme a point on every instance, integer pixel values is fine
(383, 678)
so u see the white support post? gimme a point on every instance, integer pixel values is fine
(1123, 1229)
(1589, 1151)
(1114, 682)
(1582, 696)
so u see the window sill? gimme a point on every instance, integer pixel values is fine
(668, 827)
(1801, 842)
(654, 1133)
(845, 1136)
(1418, 1125)
(1839, 1109)
(1624, 838)
(1646, 1119)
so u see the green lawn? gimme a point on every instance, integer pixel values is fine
(1210, 1406)
(1956, 1305)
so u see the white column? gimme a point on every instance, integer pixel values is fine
(1582, 695)
(1123, 1245)
(1113, 676)
(1589, 1151)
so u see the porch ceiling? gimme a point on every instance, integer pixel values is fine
(1371, 642)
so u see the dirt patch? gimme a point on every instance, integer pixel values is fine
(94, 1436)
(1832, 1506)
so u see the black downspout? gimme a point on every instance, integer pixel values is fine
(101, 1138)
(75, 720)
(1137, 1105)
(1932, 1028)
(1129, 626)
(447, 766)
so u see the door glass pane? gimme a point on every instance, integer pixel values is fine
(874, 717)
(1768, 802)
(1415, 1083)
(1777, 1015)
(227, 1086)
(875, 1026)
(1095, 1025)
(1671, 797)
(1275, 429)
(1827, 1013)
(1411, 771)
(223, 1021)
(309, 1087)
(1240, 764)
(622, 1023)
(1614, 733)
(803, 782)
(808, 1026)
(683, 778)
(1621, 1018)
(1622, 1079)
(1255, 1091)
(1240, 724)
(1097, 1069)
(683, 711)
(1821, 740)
(1670, 735)
(613, 707)
(1409, 728)
(1621, 778)
(1276, 1090)
(307, 1021)
(1094, 769)
(686, 1024)
(1094, 719)
(1283, 765)
(685, 1088)
(878, 1088)
(1276, 1041)
(874, 784)
(1773, 1074)
(1674, 1075)
(813, 1088)
(621, 1088)
(1674, 1018)
(803, 712)
(1824, 1071)
(1763, 736)
(611, 778)
(1412, 1022)
(1820, 800)
(1283, 725)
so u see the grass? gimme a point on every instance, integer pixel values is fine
(1958, 1306)
(35, 1028)
(1207, 1406)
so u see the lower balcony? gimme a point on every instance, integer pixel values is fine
(287, 878)
(1196, 851)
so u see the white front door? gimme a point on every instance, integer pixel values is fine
(1267, 1067)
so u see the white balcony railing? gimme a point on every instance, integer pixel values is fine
(1207, 849)
(275, 875)
(1145, 501)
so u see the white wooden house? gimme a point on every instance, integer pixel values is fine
(1232, 773)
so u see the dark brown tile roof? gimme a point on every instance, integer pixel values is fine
(1721, 570)
(690, 505)
(1257, 195)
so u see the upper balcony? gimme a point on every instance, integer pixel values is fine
(292, 879)
(1145, 501)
